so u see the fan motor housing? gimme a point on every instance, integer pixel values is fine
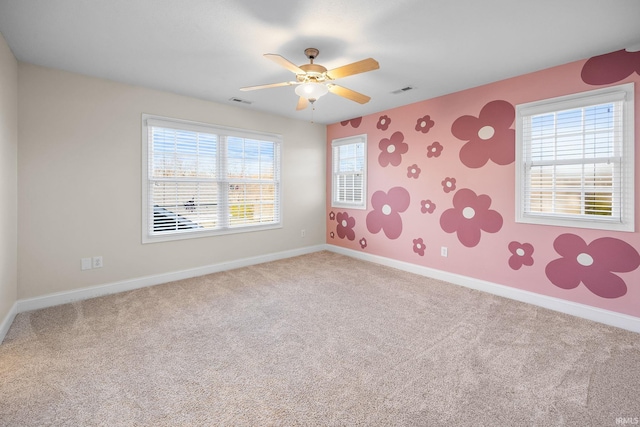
(312, 71)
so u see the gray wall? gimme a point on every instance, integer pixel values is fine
(8, 179)
(79, 175)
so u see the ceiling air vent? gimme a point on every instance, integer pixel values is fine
(241, 101)
(404, 89)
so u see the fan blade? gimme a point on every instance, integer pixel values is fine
(268, 86)
(365, 65)
(282, 61)
(349, 94)
(302, 103)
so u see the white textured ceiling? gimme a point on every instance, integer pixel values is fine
(208, 49)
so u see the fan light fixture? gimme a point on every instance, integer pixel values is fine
(311, 91)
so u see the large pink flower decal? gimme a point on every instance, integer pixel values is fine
(423, 124)
(520, 255)
(611, 67)
(353, 122)
(383, 122)
(413, 171)
(592, 264)
(434, 149)
(470, 216)
(345, 226)
(392, 149)
(387, 208)
(418, 246)
(489, 135)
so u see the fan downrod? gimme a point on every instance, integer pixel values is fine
(311, 53)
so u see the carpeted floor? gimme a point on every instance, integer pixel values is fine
(316, 340)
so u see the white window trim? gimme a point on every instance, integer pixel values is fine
(623, 92)
(347, 141)
(149, 119)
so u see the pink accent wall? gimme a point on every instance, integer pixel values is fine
(474, 216)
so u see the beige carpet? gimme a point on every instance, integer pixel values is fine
(317, 340)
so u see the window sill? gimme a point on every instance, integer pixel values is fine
(196, 234)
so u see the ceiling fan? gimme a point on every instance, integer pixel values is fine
(313, 80)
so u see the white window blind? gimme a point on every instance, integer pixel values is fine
(205, 180)
(349, 176)
(575, 160)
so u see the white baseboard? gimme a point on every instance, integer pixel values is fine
(607, 317)
(58, 298)
(7, 321)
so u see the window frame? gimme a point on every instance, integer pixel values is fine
(349, 140)
(625, 219)
(149, 121)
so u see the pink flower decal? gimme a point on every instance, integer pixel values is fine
(387, 208)
(427, 206)
(345, 226)
(413, 171)
(353, 122)
(470, 216)
(611, 67)
(383, 122)
(332, 235)
(332, 215)
(448, 184)
(363, 243)
(434, 149)
(520, 255)
(592, 264)
(425, 123)
(490, 136)
(418, 246)
(392, 150)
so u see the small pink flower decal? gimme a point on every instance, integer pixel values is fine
(353, 122)
(489, 135)
(363, 243)
(611, 67)
(434, 149)
(332, 215)
(592, 264)
(383, 122)
(520, 255)
(387, 208)
(425, 123)
(448, 184)
(345, 226)
(427, 206)
(332, 235)
(470, 216)
(413, 171)
(392, 149)
(418, 246)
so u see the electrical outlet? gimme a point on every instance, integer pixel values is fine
(97, 261)
(303, 233)
(85, 264)
(444, 251)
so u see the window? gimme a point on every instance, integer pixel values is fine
(201, 180)
(574, 160)
(349, 177)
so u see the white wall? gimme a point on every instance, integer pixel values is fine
(79, 183)
(8, 182)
